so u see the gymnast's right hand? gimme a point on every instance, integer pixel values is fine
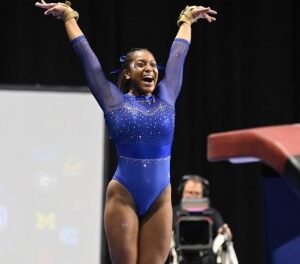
(58, 10)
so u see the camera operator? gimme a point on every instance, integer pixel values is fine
(195, 206)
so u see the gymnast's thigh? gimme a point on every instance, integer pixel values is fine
(121, 224)
(156, 231)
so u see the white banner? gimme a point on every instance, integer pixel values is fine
(51, 172)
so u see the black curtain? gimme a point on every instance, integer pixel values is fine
(241, 71)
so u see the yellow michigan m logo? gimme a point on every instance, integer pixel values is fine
(45, 221)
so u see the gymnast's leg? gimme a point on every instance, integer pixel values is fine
(121, 225)
(156, 231)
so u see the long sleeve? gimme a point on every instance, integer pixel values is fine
(106, 93)
(170, 85)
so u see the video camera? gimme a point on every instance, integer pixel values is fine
(193, 229)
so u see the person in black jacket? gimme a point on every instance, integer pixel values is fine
(194, 191)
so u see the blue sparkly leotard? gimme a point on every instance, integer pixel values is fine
(141, 126)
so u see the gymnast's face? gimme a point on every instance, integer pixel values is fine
(142, 73)
(192, 189)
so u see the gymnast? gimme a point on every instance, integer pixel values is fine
(138, 210)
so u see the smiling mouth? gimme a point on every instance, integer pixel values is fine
(148, 79)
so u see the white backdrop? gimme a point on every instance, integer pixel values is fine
(51, 171)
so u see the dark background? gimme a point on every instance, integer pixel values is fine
(241, 71)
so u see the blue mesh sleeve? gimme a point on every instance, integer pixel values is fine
(169, 87)
(106, 93)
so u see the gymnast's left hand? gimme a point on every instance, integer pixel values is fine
(204, 13)
(191, 14)
(55, 9)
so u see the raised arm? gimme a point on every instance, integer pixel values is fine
(105, 92)
(169, 87)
